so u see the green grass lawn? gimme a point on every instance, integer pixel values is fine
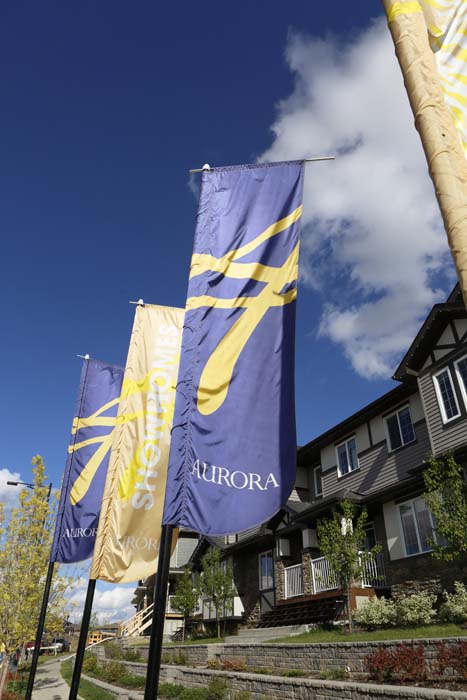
(208, 640)
(144, 642)
(338, 635)
(87, 690)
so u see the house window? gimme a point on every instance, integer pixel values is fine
(230, 539)
(370, 537)
(417, 526)
(446, 395)
(317, 481)
(400, 429)
(266, 571)
(461, 371)
(347, 460)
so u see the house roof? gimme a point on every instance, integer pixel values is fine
(429, 332)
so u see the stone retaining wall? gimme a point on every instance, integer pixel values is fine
(275, 688)
(305, 657)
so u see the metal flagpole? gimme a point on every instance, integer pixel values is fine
(74, 687)
(40, 630)
(207, 168)
(158, 614)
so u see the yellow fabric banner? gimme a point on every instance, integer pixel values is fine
(128, 535)
(447, 26)
(430, 38)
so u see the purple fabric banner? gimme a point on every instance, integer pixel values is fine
(232, 459)
(88, 459)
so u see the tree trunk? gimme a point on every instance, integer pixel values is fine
(349, 610)
(218, 628)
(184, 629)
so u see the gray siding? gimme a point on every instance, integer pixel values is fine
(379, 469)
(443, 437)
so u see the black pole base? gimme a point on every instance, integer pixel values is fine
(158, 615)
(40, 630)
(83, 635)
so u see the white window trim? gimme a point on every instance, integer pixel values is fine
(344, 442)
(260, 578)
(401, 527)
(388, 437)
(460, 380)
(315, 470)
(440, 398)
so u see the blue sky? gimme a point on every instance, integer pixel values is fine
(105, 108)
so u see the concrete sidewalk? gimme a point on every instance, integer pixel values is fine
(49, 684)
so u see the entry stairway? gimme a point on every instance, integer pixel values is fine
(311, 611)
(136, 625)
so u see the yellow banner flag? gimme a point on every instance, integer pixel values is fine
(430, 37)
(128, 535)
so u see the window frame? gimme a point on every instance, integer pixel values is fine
(460, 381)
(260, 576)
(316, 469)
(388, 434)
(439, 397)
(410, 502)
(345, 442)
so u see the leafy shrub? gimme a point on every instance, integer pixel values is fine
(453, 657)
(294, 673)
(194, 694)
(334, 674)
(217, 689)
(408, 662)
(416, 609)
(170, 690)
(132, 655)
(378, 665)
(178, 659)
(377, 612)
(234, 665)
(90, 663)
(241, 695)
(114, 671)
(214, 664)
(454, 607)
(113, 651)
(262, 671)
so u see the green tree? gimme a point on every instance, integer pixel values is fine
(217, 584)
(342, 541)
(446, 497)
(186, 597)
(24, 556)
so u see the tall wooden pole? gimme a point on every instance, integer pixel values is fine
(441, 142)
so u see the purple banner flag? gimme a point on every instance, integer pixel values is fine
(88, 459)
(233, 452)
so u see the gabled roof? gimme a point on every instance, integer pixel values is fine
(430, 331)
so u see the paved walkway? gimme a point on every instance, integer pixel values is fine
(49, 684)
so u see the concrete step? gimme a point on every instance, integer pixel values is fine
(262, 634)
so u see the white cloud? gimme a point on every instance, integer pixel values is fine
(112, 603)
(9, 494)
(373, 243)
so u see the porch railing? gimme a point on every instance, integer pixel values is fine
(293, 583)
(373, 572)
(324, 579)
(322, 575)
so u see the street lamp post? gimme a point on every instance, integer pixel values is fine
(45, 600)
(30, 486)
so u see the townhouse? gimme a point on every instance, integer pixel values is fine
(376, 459)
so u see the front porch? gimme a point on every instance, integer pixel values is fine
(315, 576)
